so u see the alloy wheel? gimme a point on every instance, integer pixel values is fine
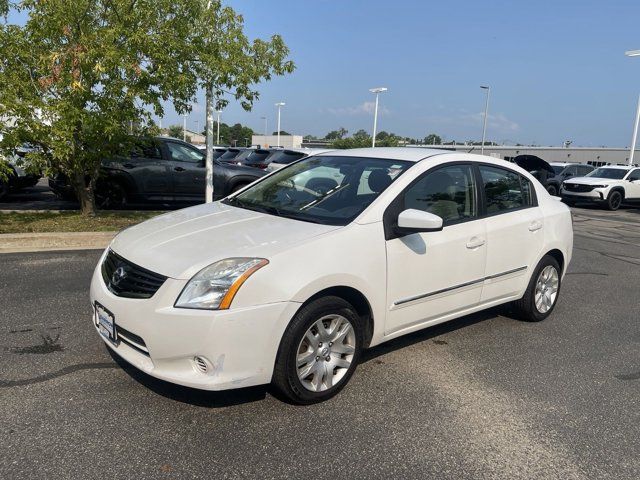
(325, 353)
(546, 289)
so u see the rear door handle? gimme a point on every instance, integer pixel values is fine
(475, 242)
(179, 169)
(535, 226)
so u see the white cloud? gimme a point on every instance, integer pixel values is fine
(366, 108)
(496, 122)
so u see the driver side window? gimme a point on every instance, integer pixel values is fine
(448, 192)
(182, 153)
(635, 175)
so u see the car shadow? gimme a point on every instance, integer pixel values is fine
(192, 396)
(433, 332)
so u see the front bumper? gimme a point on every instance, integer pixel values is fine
(592, 196)
(240, 344)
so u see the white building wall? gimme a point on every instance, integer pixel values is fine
(286, 141)
(594, 156)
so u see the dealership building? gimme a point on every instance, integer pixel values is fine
(591, 155)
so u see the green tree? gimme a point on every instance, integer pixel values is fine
(433, 139)
(282, 132)
(81, 76)
(175, 131)
(362, 134)
(336, 134)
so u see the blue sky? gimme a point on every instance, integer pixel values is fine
(556, 68)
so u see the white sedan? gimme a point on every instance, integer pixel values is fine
(289, 279)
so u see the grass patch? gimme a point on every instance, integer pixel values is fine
(70, 221)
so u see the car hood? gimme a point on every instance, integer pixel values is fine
(181, 243)
(592, 180)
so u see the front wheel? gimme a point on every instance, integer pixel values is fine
(614, 200)
(541, 295)
(319, 351)
(553, 191)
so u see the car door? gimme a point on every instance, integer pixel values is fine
(515, 230)
(433, 274)
(143, 172)
(632, 189)
(188, 172)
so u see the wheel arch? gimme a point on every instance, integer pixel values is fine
(356, 298)
(558, 256)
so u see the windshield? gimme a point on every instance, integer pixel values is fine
(558, 169)
(327, 190)
(285, 157)
(604, 172)
(230, 154)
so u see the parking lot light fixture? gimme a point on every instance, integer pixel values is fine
(279, 105)
(377, 91)
(634, 138)
(486, 113)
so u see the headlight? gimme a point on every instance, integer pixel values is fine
(214, 287)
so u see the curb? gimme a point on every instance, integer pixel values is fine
(44, 242)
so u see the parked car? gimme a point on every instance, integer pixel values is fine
(281, 158)
(260, 157)
(231, 177)
(236, 154)
(288, 282)
(608, 186)
(18, 177)
(159, 171)
(563, 171)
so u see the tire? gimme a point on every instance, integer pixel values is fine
(529, 307)
(111, 196)
(553, 190)
(614, 200)
(319, 385)
(235, 188)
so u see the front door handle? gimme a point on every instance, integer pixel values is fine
(475, 242)
(535, 226)
(179, 169)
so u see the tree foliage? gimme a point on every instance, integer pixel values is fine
(336, 134)
(79, 77)
(361, 139)
(433, 139)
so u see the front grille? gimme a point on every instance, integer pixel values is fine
(576, 187)
(126, 279)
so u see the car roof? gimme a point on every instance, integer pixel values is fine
(618, 167)
(414, 154)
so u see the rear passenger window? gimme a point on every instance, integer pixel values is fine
(505, 190)
(448, 192)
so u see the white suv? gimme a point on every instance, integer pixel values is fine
(609, 186)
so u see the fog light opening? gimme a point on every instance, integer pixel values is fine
(201, 364)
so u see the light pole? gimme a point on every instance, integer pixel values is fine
(486, 113)
(634, 138)
(279, 105)
(377, 91)
(218, 134)
(184, 128)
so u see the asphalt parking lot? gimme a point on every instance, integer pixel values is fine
(485, 396)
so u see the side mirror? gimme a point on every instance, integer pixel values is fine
(413, 221)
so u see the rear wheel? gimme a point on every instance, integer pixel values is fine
(553, 191)
(542, 292)
(110, 196)
(319, 351)
(614, 200)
